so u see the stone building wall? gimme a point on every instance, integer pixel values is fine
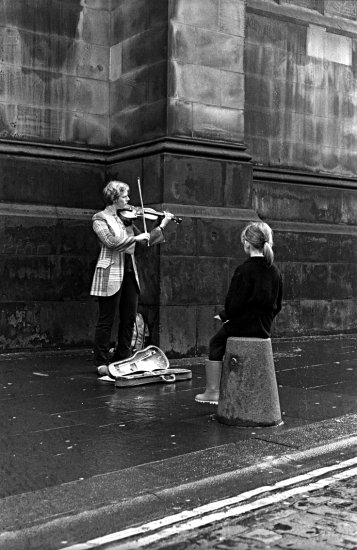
(301, 121)
(54, 123)
(228, 111)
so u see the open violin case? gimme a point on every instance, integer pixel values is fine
(147, 366)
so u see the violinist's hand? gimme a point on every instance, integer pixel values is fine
(143, 237)
(166, 219)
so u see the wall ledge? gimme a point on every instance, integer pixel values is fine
(287, 175)
(304, 16)
(106, 156)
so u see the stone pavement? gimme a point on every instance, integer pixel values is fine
(323, 520)
(79, 457)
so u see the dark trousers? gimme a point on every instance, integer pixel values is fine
(218, 342)
(217, 345)
(126, 302)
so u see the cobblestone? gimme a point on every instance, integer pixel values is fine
(323, 520)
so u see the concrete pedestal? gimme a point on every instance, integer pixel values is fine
(248, 392)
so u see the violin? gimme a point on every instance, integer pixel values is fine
(132, 212)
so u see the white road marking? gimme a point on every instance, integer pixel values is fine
(187, 520)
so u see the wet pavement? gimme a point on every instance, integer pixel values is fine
(71, 444)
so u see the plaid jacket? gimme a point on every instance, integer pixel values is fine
(115, 240)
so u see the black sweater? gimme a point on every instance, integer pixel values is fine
(254, 299)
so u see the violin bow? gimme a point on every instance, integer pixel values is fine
(142, 206)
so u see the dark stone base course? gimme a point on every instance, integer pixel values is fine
(48, 249)
(51, 324)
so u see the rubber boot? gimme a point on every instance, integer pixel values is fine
(213, 378)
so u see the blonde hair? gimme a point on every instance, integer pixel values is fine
(113, 190)
(260, 235)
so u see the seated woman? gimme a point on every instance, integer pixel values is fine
(254, 298)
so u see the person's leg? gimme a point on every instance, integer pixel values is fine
(213, 367)
(128, 306)
(107, 306)
(217, 345)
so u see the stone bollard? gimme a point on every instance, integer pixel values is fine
(248, 392)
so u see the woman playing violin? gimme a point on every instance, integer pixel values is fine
(116, 281)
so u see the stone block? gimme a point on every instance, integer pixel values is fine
(97, 4)
(329, 159)
(315, 247)
(268, 123)
(259, 147)
(248, 393)
(292, 276)
(347, 162)
(341, 9)
(343, 280)
(259, 92)
(130, 90)
(26, 49)
(201, 13)
(232, 90)
(115, 61)
(52, 17)
(45, 278)
(218, 124)
(280, 153)
(179, 285)
(320, 104)
(157, 82)
(96, 25)
(349, 207)
(195, 83)
(304, 246)
(180, 238)
(191, 45)
(32, 177)
(152, 183)
(48, 89)
(85, 129)
(157, 13)
(232, 17)
(138, 124)
(294, 203)
(212, 280)
(178, 331)
(90, 61)
(262, 59)
(52, 125)
(128, 171)
(260, 29)
(322, 281)
(237, 184)
(180, 118)
(148, 262)
(40, 236)
(50, 324)
(127, 19)
(288, 322)
(327, 316)
(219, 237)
(329, 46)
(192, 180)
(145, 49)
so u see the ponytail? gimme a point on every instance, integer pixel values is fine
(260, 236)
(268, 253)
